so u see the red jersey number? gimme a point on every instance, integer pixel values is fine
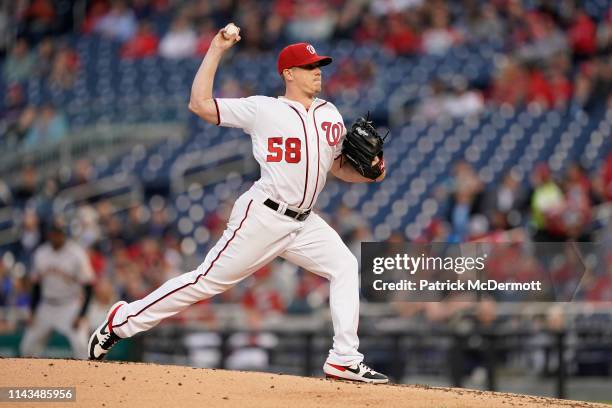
(292, 149)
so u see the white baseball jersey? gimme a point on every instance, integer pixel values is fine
(62, 273)
(296, 149)
(294, 167)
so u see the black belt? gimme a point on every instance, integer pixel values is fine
(289, 213)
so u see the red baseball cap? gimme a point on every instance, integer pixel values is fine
(299, 54)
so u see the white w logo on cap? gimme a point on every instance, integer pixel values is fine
(311, 49)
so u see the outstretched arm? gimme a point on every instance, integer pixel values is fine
(345, 172)
(201, 101)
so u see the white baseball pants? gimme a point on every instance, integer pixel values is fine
(51, 317)
(254, 236)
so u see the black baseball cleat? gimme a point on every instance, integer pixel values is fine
(103, 339)
(357, 372)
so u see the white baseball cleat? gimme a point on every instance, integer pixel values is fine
(103, 339)
(357, 372)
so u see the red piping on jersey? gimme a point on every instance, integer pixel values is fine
(199, 276)
(314, 111)
(218, 113)
(307, 157)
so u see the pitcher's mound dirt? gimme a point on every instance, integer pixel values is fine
(113, 384)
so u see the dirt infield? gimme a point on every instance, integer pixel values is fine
(112, 384)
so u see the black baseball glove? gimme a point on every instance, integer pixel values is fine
(362, 146)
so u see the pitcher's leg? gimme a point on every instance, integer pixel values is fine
(319, 249)
(248, 243)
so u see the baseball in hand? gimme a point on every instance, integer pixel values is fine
(230, 31)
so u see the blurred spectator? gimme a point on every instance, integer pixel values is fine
(82, 172)
(20, 63)
(369, 30)
(577, 211)
(432, 106)
(136, 225)
(539, 90)
(348, 19)
(348, 220)
(14, 104)
(172, 254)
(561, 89)
(110, 226)
(440, 36)
(458, 102)
(462, 101)
(273, 34)
(44, 61)
(465, 188)
(545, 39)
(582, 35)
(118, 24)
(50, 126)
(484, 23)
(312, 21)
(42, 202)
(64, 70)
(38, 19)
(509, 83)
(351, 75)
(594, 83)
(159, 223)
(143, 44)
(250, 19)
(180, 41)
(504, 204)
(310, 293)
(400, 37)
(150, 256)
(15, 118)
(207, 32)
(98, 260)
(261, 299)
(86, 229)
(547, 203)
(96, 10)
(26, 187)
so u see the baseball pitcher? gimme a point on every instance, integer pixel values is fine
(297, 140)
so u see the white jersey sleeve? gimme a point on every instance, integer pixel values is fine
(237, 112)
